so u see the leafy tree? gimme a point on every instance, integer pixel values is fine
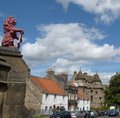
(112, 92)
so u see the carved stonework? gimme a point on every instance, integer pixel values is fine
(13, 75)
(4, 68)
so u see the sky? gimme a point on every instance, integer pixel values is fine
(67, 35)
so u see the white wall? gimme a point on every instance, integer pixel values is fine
(51, 99)
(83, 104)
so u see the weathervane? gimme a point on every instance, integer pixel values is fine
(11, 33)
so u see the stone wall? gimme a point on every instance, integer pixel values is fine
(33, 97)
(16, 71)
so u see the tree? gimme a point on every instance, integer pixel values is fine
(112, 93)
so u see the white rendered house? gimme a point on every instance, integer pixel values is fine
(49, 100)
(44, 93)
(51, 94)
(83, 101)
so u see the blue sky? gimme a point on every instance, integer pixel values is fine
(67, 35)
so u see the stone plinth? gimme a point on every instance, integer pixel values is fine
(13, 75)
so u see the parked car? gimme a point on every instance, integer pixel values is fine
(113, 112)
(66, 114)
(87, 114)
(93, 114)
(56, 114)
(61, 114)
(73, 114)
(78, 115)
(81, 114)
(101, 113)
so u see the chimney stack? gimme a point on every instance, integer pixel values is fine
(50, 73)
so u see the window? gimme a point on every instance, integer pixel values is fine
(87, 101)
(72, 96)
(46, 108)
(54, 97)
(50, 108)
(75, 97)
(95, 92)
(91, 98)
(69, 96)
(100, 98)
(46, 97)
(63, 97)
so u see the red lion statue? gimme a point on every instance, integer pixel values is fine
(11, 33)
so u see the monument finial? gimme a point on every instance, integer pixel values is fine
(11, 33)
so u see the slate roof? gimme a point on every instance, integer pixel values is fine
(48, 86)
(86, 77)
(80, 75)
(96, 78)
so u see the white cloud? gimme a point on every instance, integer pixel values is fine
(105, 77)
(105, 10)
(68, 46)
(72, 41)
(63, 40)
(65, 3)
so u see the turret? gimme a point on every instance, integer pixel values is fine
(96, 78)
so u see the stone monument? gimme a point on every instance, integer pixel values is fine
(13, 74)
(11, 33)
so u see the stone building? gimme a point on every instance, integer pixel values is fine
(72, 97)
(91, 86)
(43, 93)
(77, 99)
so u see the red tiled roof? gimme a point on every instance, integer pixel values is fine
(48, 85)
(81, 94)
